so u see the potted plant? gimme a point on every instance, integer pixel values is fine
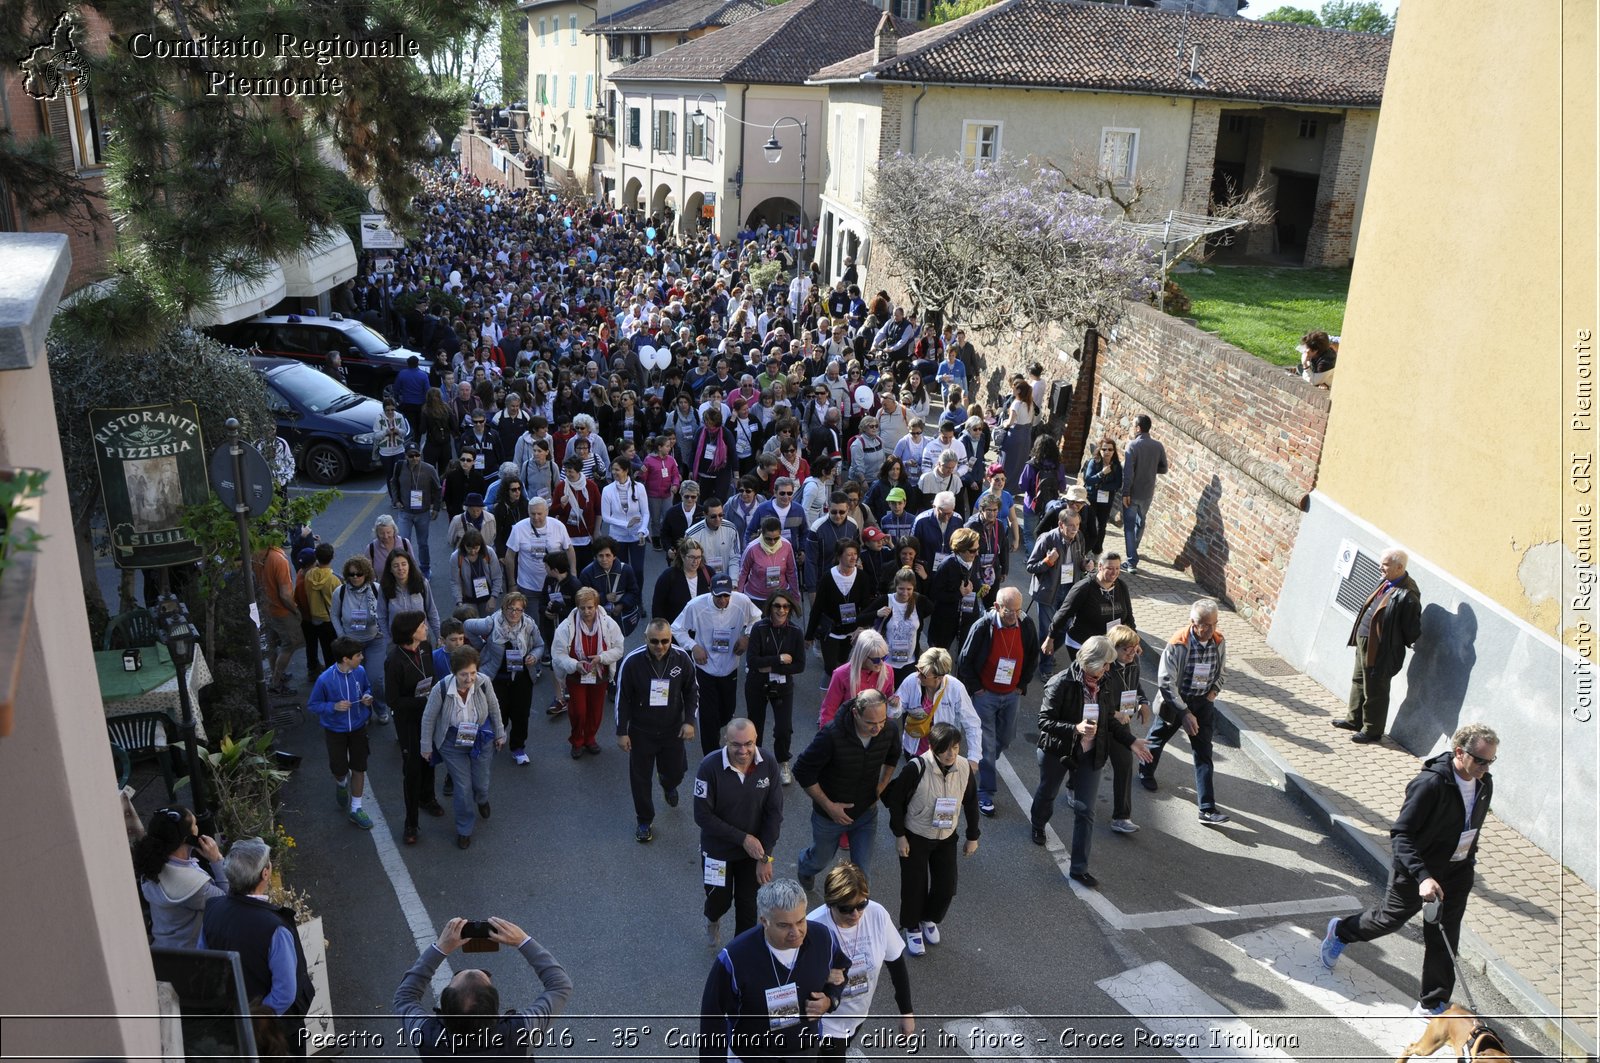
(21, 494)
(244, 784)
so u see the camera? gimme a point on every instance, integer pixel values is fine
(476, 937)
(477, 928)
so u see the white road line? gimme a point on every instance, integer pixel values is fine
(1183, 1018)
(423, 930)
(1008, 1034)
(1351, 993)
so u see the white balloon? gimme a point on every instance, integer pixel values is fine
(663, 358)
(864, 397)
(647, 355)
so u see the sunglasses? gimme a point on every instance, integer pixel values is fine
(859, 906)
(1484, 761)
(877, 660)
(779, 607)
(660, 642)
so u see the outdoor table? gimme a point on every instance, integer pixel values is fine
(153, 688)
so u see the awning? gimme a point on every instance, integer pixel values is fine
(242, 299)
(329, 262)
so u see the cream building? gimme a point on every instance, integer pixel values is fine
(1292, 105)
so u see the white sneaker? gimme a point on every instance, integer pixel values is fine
(930, 933)
(914, 943)
(786, 774)
(519, 757)
(1422, 1012)
(1124, 826)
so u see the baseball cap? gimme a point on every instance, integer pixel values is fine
(413, 449)
(874, 534)
(896, 494)
(722, 585)
(474, 499)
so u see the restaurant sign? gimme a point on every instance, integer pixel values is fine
(152, 466)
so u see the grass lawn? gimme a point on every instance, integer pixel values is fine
(1266, 309)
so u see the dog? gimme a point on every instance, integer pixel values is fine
(1462, 1030)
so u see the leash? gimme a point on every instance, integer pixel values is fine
(1430, 917)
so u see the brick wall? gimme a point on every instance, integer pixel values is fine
(1243, 439)
(1202, 158)
(477, 160)
(1332, 237)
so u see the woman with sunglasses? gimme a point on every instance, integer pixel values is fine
(924, 801)
(357, 613)
(768, 564)
(842, 606)
(173, 883)
(867, 669)
(408, 674)
(1102, 478)
(866, 933)
(775, 655)
(510, 508)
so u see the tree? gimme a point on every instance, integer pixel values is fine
(513, 55)
(1005, 249)
(470, 60)
(949, 10)
(1299, 16)
(1359, 16)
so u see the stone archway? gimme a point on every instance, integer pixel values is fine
(773, 211)
(632, 198)
(689, 223)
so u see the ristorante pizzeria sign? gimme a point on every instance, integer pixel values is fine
(152, 464)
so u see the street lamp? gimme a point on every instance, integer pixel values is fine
(180, 637)
(774, 153)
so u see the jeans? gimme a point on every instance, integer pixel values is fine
(471, 777)
(825, 835)
(1133, 529)
(1205, 714)
(415, 526)
(1047, 606)
(1085, 788)
(998, 714)
(376, 650)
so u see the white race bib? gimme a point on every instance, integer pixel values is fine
(783, 1006)
(591, 678)
(1129, 700)
(1091, 712)
(1202, 674)
(774, 576)
(478, 462)
(416, 499)
(721, 641)
(1102, 497)
(660, 692)
(944, 813)
(716, 872)
(856, 981)
(1005, 670)
(777, 677)
(480, 586)
(514, 659)
(847, 612)
(1464, 845)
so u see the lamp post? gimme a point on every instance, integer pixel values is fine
(180, 638)
(774, 152)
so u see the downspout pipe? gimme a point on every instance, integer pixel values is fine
(914, 105)
(738, 174)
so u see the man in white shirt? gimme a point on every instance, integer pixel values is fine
(892, 419)
(530, 539)
(721, 542)
(715, 629)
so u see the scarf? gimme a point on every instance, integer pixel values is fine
(576, 498)
(770, 550)
(719, 462)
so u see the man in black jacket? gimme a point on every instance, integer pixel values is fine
(657, 697)
(844, 769)
(998, 661)
(738, 805)
(1435, 846)
(1387, 626)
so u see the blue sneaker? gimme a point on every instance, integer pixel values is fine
(1422, 1011)
(1332, 947)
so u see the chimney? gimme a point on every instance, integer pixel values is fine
(885, 40)
(1194, 62)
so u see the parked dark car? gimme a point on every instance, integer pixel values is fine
(369, 358)
(328, 426)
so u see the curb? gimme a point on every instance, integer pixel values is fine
(1475, 954)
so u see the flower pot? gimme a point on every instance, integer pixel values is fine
(16, 599)
(319, 1020)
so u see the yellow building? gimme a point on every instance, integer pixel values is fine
(1462, 427)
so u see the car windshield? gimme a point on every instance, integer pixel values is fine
(369, 340)
(316, 391)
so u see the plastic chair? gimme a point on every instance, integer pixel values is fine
(135, 736)
(136, 627)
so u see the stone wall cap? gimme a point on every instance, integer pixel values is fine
(30, 287)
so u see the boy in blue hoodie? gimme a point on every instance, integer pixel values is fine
(341, 700)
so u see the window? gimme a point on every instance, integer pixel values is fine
(697, 137)
(572, 28)
(538, 89)
(664, 133)
(1234, 124)
(613, 46)
(588, 92)
(633, 127)
(641, 46)
(611, 104)
(572, 90)
(861, 156)
(1119, 154)
(915, 10)
(1308, 129)
(88, 138)
(980, 143)
(541, 33)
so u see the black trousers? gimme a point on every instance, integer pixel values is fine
(835, 1047)
(1400, 903)
(1121, 781)
(318, 636)
(739, 892)
(719, 700)
(516, 698)
(927, 880)
(663, 756)
(1369, 694)
(756, 700)
(416, 774)
(834, 653)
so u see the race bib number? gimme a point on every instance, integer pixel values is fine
(944, 813)
(847, 612)
(416, 500)
(1464, 845)
(1102, 497)
(777, 677)
(574, 519)
(1202, 674)
(1129, 700)
(969, 603)
(986, 561)
(774, 576)
(514, 660)
(783, 1006)
(478, 462)
(716, 872)
(711, 453)
(660, 692)
(590, 678)
(721, 641)
(466, 735)
(899, 650)
(939, 556)
(1005, 670)
(856, 982)
(480, 586)
(1091, 712)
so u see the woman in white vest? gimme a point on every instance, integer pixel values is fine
(925, 800)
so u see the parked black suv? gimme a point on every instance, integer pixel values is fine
(371, 360)
(328, 426)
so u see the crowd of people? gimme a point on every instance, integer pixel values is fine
(828, 505)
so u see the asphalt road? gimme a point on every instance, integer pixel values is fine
(1200, 942)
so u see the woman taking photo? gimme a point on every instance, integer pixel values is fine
(408, 674)
(461, 727)
(1102, 478)
(173, 883)
(403, 589)
(867, 669)
(865, 933)
(775, 655)
(509, 658)
(900, 620)
(923, 801)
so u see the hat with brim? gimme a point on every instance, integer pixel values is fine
(1076, 493)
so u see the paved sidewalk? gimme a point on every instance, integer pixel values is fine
(1531, 925)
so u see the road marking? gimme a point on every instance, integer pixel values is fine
(360, 518)
(1200, 913)
(1351, 993)
(423, 931)
(1182, 1017)
(1008, 1034)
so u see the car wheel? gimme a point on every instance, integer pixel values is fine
(326, 463)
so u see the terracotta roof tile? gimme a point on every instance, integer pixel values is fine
(666, 16)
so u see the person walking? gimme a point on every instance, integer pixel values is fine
(775, 655)
(657, 697)
(863, 930)
(843, 605)
(1145, 460)
(462, 727)
(1435, 845)
(930, 695)
(738, 806)
(924, 801)
(408, 674)
(357, 613)
(1092, 606)
(509, 650)
(1190, 678)
(587, 645)
(625, 513)
(715, 630)
(1125, 694)
(1389, 624)
(866, 668)
(417, 494)
(341, 700)
(844, 771)
(997, 662)
(1102, 481)
(1055, 566)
